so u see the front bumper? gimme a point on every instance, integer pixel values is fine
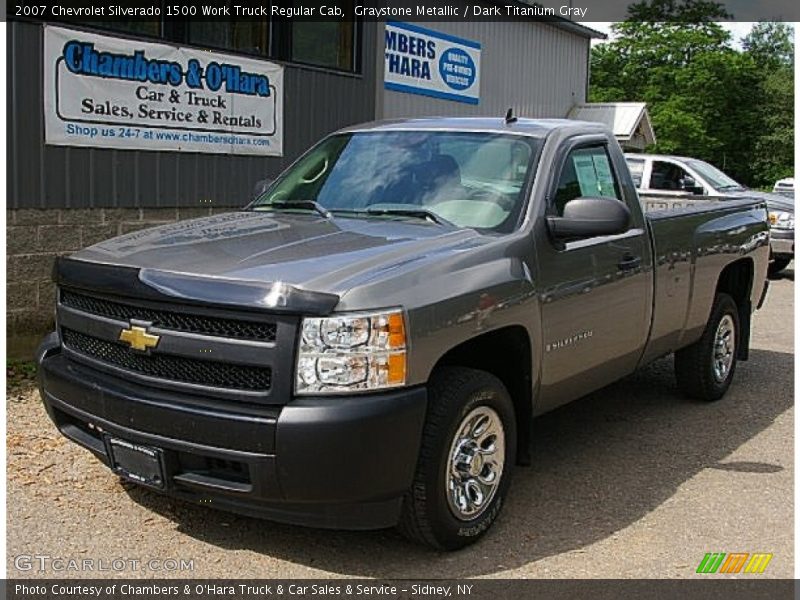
(781, 242)
(339, 462)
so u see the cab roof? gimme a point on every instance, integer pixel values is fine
(521, 126)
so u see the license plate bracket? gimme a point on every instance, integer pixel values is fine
(136, 462)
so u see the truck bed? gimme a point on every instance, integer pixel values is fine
(691, 241)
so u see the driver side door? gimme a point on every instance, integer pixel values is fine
(595, 293)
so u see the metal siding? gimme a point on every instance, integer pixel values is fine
(316, 102)
(536, 68)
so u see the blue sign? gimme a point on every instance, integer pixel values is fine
(430, 63)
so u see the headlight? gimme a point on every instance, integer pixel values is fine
(781, 220)
(351, 352)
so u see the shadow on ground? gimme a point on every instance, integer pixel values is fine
(599, 465)
(787, 274)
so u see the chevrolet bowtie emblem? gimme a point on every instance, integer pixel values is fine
(138, 338)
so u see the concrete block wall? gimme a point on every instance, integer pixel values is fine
(35, 237)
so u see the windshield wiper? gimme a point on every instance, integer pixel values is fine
(422, 213)
(310, 204)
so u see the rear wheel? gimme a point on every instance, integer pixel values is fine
(705, 369)
(465, 460)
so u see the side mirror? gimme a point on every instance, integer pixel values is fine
(590, 217)
(688, 184)
(260, 187)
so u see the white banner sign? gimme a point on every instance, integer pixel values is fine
(426, 62)
(102, 91)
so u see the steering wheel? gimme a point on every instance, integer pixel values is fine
(318, 175)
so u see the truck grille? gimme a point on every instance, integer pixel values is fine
(168, 367)
(167, 319)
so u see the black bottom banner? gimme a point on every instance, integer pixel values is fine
(474, 589)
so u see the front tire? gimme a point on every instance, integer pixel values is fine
(705, 369)
(465, 461)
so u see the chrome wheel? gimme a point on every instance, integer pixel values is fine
(475, 464)
(724, 348)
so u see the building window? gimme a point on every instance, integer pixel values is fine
(324, 44)
(332, 45)
(150, 29)
(250, 37)
(146, 28)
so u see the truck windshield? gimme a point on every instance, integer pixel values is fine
(718, 180)
(466, 179)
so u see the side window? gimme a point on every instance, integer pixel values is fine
(667, 176)
(636, 167)
(586, 172)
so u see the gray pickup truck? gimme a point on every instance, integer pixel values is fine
(366, 344)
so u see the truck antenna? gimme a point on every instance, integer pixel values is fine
(510, 118)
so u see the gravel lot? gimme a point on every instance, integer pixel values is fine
(632, 481)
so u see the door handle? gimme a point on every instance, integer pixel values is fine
(629, 262)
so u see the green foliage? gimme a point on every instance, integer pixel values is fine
(692, 12)
(771, 45)
(773, 157)
(707, 99)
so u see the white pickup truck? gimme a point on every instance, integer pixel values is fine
(666, 182)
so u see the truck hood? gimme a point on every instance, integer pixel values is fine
(303, 251)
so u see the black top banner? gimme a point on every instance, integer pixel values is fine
(578, 11)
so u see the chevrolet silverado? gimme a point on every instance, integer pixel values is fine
(367, 342)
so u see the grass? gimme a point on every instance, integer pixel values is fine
(20, 375)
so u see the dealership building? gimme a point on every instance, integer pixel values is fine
(118, 126)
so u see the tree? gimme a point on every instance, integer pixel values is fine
(699, 88)
(695, 13)
(771, 47)
(773, 157)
